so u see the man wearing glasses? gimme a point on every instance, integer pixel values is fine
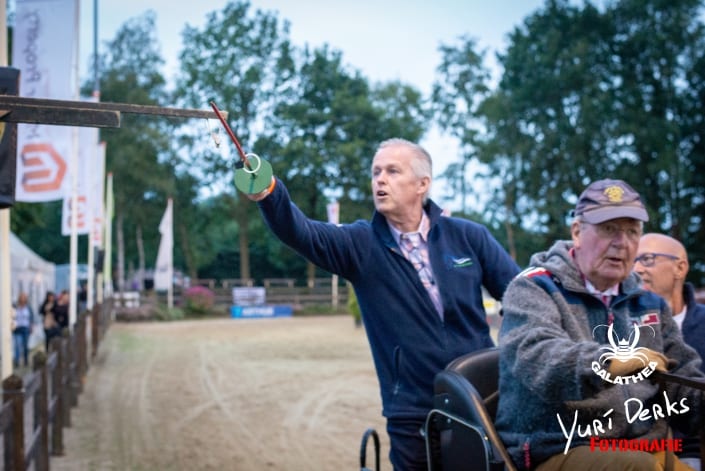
(662, 263)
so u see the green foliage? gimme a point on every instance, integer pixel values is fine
(163, 313)
(35, 223)
(136, 152)
(461, 84)
(585, 93)
(237, 60)
(353, 306)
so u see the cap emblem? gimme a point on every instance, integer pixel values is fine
(614, 193)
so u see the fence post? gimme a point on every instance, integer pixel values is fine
(80, 354)
(57, 425)
(41, 410)
(65, 390)
(95, 318)
(12, 391)
(71, 368)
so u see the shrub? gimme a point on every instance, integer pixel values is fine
(353, 307)
(198, 301)
(163, 313)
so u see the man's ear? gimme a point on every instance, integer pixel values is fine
(424, 184)
(575, 229)
(681, 270)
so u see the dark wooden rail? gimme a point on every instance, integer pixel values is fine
(36, 407)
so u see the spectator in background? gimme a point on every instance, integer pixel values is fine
(61, 309)
(662, 263)
(51, 327)
(23, 327)
(82, 296)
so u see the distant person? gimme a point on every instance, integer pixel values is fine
(82, 295)
(662, 263)
(51, 327)
(61, 310)
(23, 327)
(418, 277)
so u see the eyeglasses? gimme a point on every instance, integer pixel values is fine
(648, 259)
(610, 230)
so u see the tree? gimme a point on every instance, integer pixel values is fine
(326, 129)
(141, 182)
(551, 118)
(658, 56)
(239, 59)
(586, 95)
(460, 86)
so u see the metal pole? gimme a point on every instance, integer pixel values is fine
(96, 65)
(73, 245)
(5, 272)
(96, 95)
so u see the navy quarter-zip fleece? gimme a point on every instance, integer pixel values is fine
(409, 341)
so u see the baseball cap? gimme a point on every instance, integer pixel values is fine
(608, 199)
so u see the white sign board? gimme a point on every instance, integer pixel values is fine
(249, 296)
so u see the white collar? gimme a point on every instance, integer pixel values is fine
(613, 291)
(422, 230)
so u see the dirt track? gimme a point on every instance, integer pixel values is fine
(258, 394)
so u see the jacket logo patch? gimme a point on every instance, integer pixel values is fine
(462, 262)
(649, 318)
(534, 271)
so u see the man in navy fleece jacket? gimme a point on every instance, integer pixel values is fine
(421, 301)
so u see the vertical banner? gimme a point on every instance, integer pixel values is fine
(164, 269)
(97, 199)
(45, 50)
(333, 210)
(90, 171)
(9, 85)
(107, 257)
(164, 265)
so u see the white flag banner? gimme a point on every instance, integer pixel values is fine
(90, 172)
(165, 259)
(97, 204)
(45, 50)
(333, 210)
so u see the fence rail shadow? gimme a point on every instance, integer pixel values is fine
(37, 406)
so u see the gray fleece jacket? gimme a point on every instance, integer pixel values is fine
(552, 340)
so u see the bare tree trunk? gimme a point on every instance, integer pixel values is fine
(244, 239)
(140, 255)
(510, 238)
(119, 231)
(186, 249)
(310, 274)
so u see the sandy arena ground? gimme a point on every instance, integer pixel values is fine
(257, 394)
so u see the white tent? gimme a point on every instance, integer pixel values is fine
(30, 273)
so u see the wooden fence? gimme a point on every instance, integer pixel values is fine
(37, 407)
(318, 292)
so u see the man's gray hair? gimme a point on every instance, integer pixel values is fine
(421, 164)
(580, 220)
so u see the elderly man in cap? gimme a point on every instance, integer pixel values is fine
(580, 344)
